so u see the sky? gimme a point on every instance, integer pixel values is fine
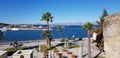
(63, 11)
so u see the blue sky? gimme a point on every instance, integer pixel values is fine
(63, 11)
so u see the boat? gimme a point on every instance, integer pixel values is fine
(3, 29)
(14, 29)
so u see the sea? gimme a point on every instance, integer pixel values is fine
(23, 35)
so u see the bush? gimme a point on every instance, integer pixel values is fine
(22, 48)
(62, 40)
(72, 45)
(10, 51)
(80, 38)
(44, 48)
(16, 44)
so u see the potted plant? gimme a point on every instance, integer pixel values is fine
(63, 49)
(57, 53)
(45, 53)
(68, 52)
(73, 56)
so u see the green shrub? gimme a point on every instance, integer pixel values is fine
(43, 48)
(62, 40)
(22, 48)
(73, 45)
(80, 38)
(10, 51)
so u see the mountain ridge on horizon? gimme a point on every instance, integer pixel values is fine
(73, 23)
(65, 23)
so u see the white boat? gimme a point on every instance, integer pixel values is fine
(3, 29)
(14, 29)
(46, 29)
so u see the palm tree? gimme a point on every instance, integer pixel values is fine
(99, 31)
(60, 30)
(88, 26)
(100, 23)
(48, 18)
(16, 44)
(1, 35)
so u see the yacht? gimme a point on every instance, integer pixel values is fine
(14, 29)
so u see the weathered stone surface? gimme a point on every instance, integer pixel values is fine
(111, 33)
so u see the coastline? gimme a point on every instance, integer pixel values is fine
(27, 41)
(30, 41)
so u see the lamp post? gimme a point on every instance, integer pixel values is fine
(67, 42)
(49, 54)
(81, 50)
(38, 46)
(65, 45)
(53, 56)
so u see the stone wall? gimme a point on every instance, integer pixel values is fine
(111, 33)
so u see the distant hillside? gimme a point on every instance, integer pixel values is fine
(4, 24)
(69, 24)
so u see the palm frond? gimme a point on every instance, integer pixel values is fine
(1, 35)
(47, 17)
(59, 28)
(44, 33)
(88, 26)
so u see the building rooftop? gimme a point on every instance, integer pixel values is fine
(23, 52)
(2, 52)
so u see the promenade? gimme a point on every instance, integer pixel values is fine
(75, 51)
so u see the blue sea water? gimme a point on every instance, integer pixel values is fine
(21, 35)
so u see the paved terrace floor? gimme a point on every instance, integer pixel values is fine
(75, 51)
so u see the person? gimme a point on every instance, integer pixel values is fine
(94, 36)
(94, 40)
(73, 36)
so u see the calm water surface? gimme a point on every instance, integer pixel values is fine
(67, 32)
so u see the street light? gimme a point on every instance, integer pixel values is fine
(38, 46)
(81, 50)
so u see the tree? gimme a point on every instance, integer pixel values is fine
(1, 35)
(100, 23)
(4, 24)
(88, 26)
(44, 33)
(60, 30)
(16, 44)
(48, 18)
(99, 31)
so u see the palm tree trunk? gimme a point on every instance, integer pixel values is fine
(48, 36)
(89, 45)
(60, 34)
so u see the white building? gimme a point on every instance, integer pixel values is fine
(94, 36)
(25, 53)
(3, 54)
